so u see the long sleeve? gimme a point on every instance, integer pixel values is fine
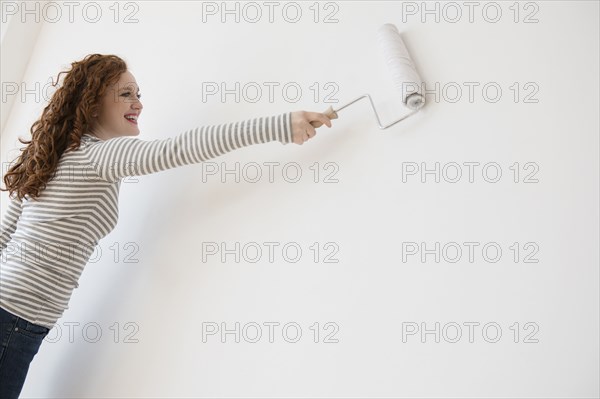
(9, 221)
(119, 157)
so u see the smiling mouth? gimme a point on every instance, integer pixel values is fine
(131, 118)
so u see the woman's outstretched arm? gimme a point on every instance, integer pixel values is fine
(119, 157)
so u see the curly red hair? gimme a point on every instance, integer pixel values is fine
(69, 114)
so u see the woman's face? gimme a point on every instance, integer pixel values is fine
(120, 108)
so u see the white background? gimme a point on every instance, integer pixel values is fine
(371, 293)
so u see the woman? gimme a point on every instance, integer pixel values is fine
(64, 191)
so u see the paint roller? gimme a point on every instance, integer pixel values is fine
(403, 71)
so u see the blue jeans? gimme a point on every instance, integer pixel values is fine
(19, 343)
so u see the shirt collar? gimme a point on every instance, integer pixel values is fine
(90, 137)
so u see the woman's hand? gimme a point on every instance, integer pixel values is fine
(302, 130)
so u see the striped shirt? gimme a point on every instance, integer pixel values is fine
(45, 243)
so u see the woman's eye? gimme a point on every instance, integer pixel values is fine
(128, 93)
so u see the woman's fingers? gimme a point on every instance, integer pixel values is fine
(318, 117)
(304, 124)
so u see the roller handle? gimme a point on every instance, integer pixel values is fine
(331, 114)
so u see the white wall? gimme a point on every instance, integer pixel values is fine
(19, 35)
(371, 294)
